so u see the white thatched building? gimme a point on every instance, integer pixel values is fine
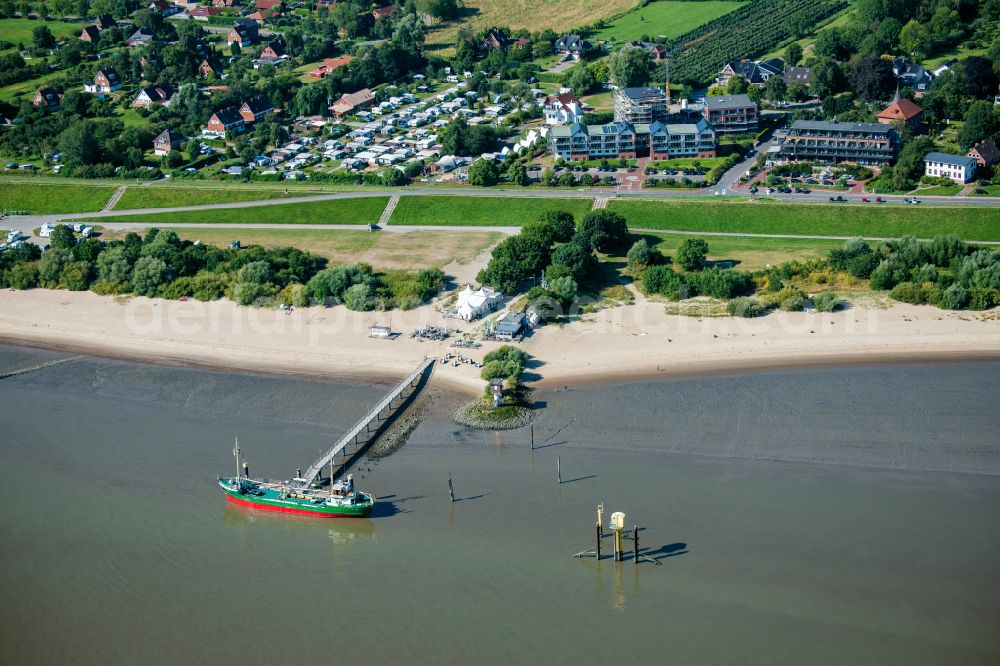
(475, 304)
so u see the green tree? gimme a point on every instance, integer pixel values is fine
(737, 85)
(148, 274)
(245, 293)
(910, 165)
(576, 258)
(826, 79)
(872, 79)
(334, 281)
(660, 280)
(561, 223)
(793, 53)
(484, 173)
(604, 230)
(78, 144)
(23, 276)
(914, 39)
(360, 297)
(639, 254)
(692, 253)
(42, 37)
(76, 275)
(981, 122)
(51, 266)
(113, 266)
(256, 272)
(62, 238)
(775, 88)
(564, 290)
(629, 66)
(517, 174)
(581, 81)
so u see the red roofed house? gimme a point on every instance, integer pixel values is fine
(106, 80)
(261, 16)
(267, 4)
(210, 66)
(90, 34)
(166, 142)
(985, 153)
(244, 32)
(105, 21)
(273, 52)
(330, 64)
(200, 13)
(223, 120)
(46, 98)
(383, 11)
(155, 94)
(353, 102)
(562, 109)
(903, 111)
(254, 109)
(225, 3)
(164, 7)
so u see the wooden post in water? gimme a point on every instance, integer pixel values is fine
(451, 489)
(532, 436)
(599, 530)
(635, 544)
(558, 470)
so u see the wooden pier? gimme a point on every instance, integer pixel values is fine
(358, 437)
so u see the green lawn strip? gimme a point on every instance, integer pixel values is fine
(939, 191)
(748, 254)
(162, 197)
(668, 18)
(19, 30)
(363, 210)
(991, 191)
(498, 211)
(48, 199)
(880, 220)
(687, 162)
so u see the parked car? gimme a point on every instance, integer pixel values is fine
(838, 199)
(865, 200)
(879, 200)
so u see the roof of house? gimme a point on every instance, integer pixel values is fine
(828, 126)
(728, 102)
(160, 92)
(203, 11)
(570, 43)
(645, 93)
(512, 322)
(258, 105)
(956, 160)
(798, 75)
(266, 4)
(141, 35)
(92, 32)
(988, 150)
(355, 98)
(48, 94)
(564, 100)
(756, 72)
(169, 137)
(110, 74)
(105, 21)
(904, 109)
(334, 63)
(228, 116)
(277, 47)
(383, 11)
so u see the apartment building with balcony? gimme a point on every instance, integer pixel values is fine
(730, 113)
(641, 105)
(830, 142)
(624, 140)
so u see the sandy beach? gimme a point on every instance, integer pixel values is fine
(618, 344)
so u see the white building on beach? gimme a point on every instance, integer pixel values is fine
(475, 304)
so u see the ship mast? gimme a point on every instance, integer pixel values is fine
(236, 452)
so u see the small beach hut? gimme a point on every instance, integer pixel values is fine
(510, 326)
(379, 331)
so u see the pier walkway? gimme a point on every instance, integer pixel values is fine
(352, 439)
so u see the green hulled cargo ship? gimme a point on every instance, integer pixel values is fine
(340, 500)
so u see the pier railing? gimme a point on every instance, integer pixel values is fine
(352, 434)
